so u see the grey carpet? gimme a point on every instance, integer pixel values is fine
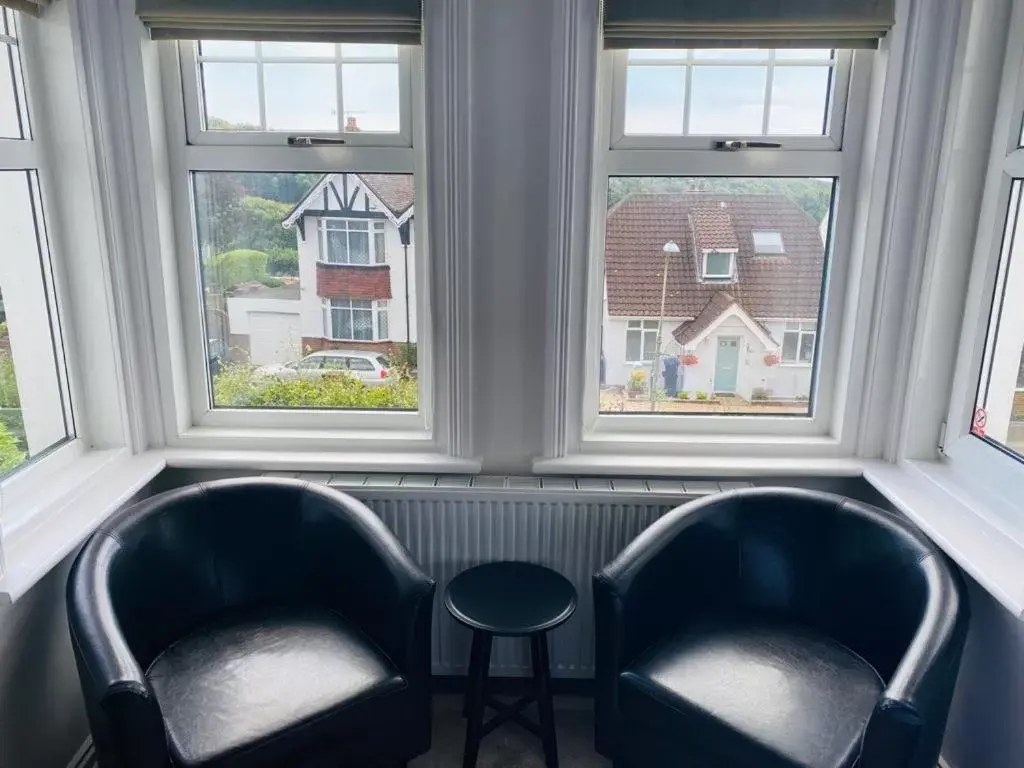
(510, 746)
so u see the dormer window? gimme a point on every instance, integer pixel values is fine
(768, 243)
(718, 265)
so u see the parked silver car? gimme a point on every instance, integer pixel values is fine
(371, 368)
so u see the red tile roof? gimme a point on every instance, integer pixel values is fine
(712, 229)
(719, 303)
(395, 190)
(776, 287)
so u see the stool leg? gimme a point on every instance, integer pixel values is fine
(542, 680)
(477, 686)
(474, 662)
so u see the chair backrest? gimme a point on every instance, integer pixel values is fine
(859, 574)
(184, 558)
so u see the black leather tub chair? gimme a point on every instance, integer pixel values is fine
(775, 628)
(252, 622)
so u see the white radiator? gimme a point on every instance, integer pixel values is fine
(571, 525)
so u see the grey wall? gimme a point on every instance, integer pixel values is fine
(42, 719)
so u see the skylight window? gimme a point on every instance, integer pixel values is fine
(768, 243)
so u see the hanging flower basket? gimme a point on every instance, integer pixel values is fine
(771, 359)
(689, 359)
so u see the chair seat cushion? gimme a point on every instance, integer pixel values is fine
(258, 689)
(750, 691)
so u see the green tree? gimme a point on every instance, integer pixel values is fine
(8, 382)
(239, 266)
(11, 454)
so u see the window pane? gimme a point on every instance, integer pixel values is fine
(300, 97)
(34, 409)
(727, 100)
(999, 411)
(799, 99)
(803, 54)
(732, 54)
(231, 97)
(260, 236)
(13, 121)
(657, 54)
(654, 100)
(717, 215)
(370, 96)
(368, 51)
(226, 48)
(718, 264)
(298, 50)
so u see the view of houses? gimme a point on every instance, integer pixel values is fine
(713, 295)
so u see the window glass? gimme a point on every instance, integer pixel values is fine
(13, 119)
(711, 347)
(999, 408)
(273, 254)
(282, 86)
(768, 243)
(728, 92)
(35, 413)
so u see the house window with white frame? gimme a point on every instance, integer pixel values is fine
(685, 250)
(348, 241)
(358, 319)
(276, 234)
(641, 340)
(35, 407)
(798, 342)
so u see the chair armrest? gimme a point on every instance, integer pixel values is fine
(909, 720)
(679, 568)
(124, 714)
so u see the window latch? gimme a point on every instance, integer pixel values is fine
(735, 145)
(314, 141)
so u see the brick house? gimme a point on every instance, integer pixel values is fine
(741, 297)
(356, 287)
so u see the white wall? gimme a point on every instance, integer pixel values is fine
(784, 381)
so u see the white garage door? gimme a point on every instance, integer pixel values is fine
(274, 337)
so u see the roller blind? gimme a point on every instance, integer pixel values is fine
(34, 7)
(747, 23)
(353, 21)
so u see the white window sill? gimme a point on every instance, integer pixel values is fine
(403, 462)
(63, 511)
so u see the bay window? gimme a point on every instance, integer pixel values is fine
(35, 406)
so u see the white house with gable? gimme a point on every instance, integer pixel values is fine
(356, 288)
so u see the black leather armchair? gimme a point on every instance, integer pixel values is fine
(769, 628)
(251, 622)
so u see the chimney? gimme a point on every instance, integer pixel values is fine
(350, 125)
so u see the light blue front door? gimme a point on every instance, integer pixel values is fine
(727, 363)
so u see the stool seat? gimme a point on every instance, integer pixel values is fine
(510, 599)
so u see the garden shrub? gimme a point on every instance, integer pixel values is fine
(283, 261)
(702, 395)
(240, 386)
(11, 454)
(232, 268)
(8, 382)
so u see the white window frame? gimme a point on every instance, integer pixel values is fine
(377, 308)
(730, 275)
(978, 463)
(643, 330)
(30, 156)
(800, 332)
(835, 107)
(269, 152)
(195, 110)
(375, 227)
(769, 254)
(619, 156)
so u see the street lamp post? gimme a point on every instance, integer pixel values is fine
(668, 249)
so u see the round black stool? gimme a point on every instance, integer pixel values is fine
(509, 600)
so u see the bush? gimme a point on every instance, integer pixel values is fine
(404, 361)
(11, 454)
(272, 282)
(702, 395)
(238, 385)
(283, 261)
(683, 395)
(232, 268)
(8, 382)
(637, 381)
